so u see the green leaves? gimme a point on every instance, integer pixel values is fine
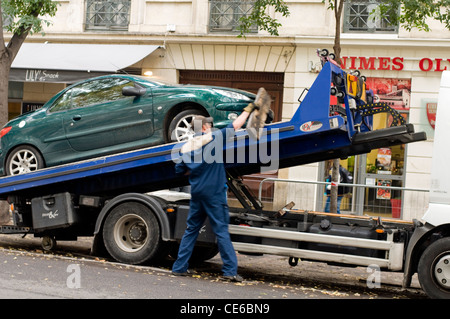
(412, 14)
(261, 17)
(26, 15)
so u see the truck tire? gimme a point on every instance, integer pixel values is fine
(434, 269)
(131, 234)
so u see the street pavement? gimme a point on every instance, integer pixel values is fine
(71, 273)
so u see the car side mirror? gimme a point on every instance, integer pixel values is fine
(133, 91)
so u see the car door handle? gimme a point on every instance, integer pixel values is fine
(76, 117)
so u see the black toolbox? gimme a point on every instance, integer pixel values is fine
(53, 211)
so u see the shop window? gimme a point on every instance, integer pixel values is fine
(14, 108)
(15, 95)
(225, 14)
(108, 15)
(361, 16)
(386, 166)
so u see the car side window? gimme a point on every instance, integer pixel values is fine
(91, 93)
(62, 103)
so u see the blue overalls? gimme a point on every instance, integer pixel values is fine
(207, 178)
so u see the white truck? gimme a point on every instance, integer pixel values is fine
(429, 250)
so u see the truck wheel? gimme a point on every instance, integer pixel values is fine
(48, 243)
(434, 269)
(131, 234)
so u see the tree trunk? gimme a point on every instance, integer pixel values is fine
(334, 187)
(339, 5)
(7, 55)
(4, 78)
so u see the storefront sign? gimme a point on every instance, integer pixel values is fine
(31, 106)
(393, 63)
(53, 76)
(41, 76)
(431, 113)
(394, 92)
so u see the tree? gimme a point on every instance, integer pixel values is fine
(337, 6)
(412, 14)
(261, 17)
(20, 17)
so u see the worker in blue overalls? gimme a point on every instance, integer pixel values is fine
(207, 178)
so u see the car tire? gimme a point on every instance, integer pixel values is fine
(180, 128)
(23, 159)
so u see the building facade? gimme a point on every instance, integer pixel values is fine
(195, 41)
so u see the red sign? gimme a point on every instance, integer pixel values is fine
(393, 64)
(431, 113)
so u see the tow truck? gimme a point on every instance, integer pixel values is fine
(111, 199)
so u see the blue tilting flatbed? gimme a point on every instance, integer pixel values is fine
(107, 197)
(311, 135)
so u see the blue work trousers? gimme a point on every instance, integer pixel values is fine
(217, 212)
(328, 203)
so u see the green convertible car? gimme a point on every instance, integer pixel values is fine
(111, 114)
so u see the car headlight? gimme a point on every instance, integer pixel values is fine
(233, 95)
(232, 116)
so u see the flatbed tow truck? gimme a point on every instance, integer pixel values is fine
(108, 197)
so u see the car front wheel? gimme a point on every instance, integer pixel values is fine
(180, 128)
(23, 159)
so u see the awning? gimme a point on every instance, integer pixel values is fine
(58, 62)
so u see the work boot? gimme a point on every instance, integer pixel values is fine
(235, 278)
(186, 273)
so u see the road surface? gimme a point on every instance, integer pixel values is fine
(70, 272)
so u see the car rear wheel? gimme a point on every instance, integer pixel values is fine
(23, 159)
(180, 128)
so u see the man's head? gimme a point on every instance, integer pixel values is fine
(201, 123)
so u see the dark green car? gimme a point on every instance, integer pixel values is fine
(111, 114)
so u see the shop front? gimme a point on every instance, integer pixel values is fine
(410, 85)
(385, 166)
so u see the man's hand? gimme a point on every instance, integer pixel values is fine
(250, 107)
